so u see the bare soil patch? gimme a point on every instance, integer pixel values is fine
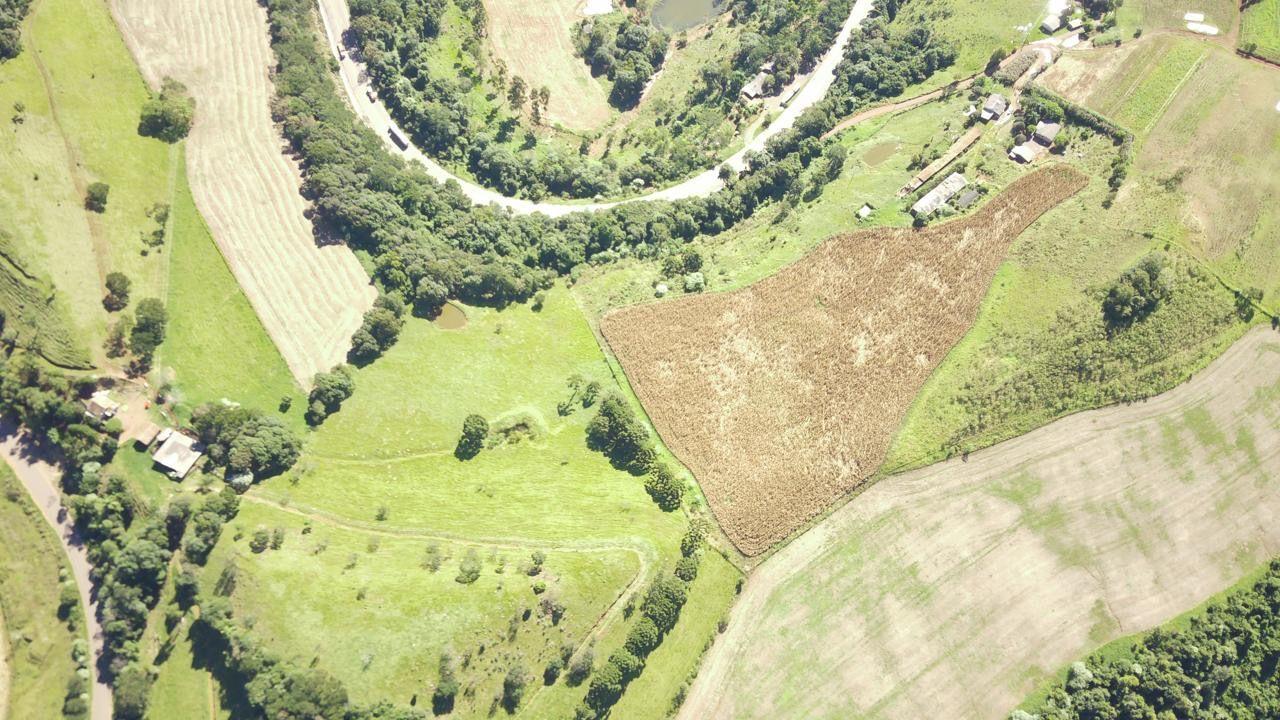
(966, 584)
(785, 395)
(535, 40)
(310, 298)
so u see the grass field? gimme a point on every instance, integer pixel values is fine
(966, 585)
(784, 395)
(1191, 193)
(976, 27)
(36, 313)
(38, 661)
(1260, 29)
(389, 453)
(215, 347)
(535, 40)
(1151, 15)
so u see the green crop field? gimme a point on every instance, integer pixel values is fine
(1260, 29)
(38, 642)
(216, 347)
(36, 312)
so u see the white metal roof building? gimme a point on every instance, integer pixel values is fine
(939, 196)
(178, 454)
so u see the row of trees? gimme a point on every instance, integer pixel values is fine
(1222, 665)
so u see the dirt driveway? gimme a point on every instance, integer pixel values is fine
(964, 585)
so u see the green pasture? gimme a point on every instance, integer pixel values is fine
(1260, 29)
(361, 604)
(1153, 15)
(977, 28)
(38, 642)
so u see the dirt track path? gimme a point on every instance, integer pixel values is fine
(41, 479)
(336, 18)
(962, 585)
(309, 297)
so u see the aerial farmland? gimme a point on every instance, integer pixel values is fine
(584, 359)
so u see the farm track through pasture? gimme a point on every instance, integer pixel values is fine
(964, 585)
(309, 297)
(646, 555)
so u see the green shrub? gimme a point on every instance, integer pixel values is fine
(96, 197)
(168, 116)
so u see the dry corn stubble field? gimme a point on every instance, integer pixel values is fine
(955, 590)
(310, 298)
(785, 395)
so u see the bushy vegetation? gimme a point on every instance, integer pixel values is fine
(168, 116)
(328, 391)
(118, 285)
(619, 434)
(96, 195)
(149, 322)
(1223, 664)
(11, 14)
(48, 404)
(1138, 291)
(379, 331)
(474, 431)
(246, 441)
(628, 52)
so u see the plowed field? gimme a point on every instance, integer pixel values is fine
(309, 297)
(785, 395)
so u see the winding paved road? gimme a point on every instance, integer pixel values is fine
(41, 479)
(336, 17)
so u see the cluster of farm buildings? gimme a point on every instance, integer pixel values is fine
(172, 450)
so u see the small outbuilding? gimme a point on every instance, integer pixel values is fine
(1046, 133)
(146, 434)
(1025, 153)
(178, 453)
(865, 211)
(1051, 24)
(100, 406)
(967, 199)
(994, 107)
(1075, 24)
(939, 196)
(754, 90)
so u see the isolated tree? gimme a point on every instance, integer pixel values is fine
(149, 322)
(118, 285)
(513, 687)
(328, 392)
(447, 689)
(168, 116)
(1138, 291)
(474, 431)
(96, 197)
(517, 93)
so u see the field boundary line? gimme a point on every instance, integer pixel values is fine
(1177, 90)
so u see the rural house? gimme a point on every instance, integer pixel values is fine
(754, 90)
(1046, 133)
(994, 107)
(1051, 24)
(1025, 153)
(937, 197)
(177, 453)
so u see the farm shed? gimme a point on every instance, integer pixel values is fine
(1075, 24)
(755, 89)
(937, 197)
(1046, 133)
(1051, 24)
(178, 454)
(147, 434)
(100, 406)
(865, 211)
(994, 107)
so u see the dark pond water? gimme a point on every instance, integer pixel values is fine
(677, 15)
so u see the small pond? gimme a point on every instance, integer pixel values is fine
(676, 15)
(451, 317)
(880, 153)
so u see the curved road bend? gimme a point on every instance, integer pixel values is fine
(41, 479)
(336, 17)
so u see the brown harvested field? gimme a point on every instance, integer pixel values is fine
(535, 40)
(956, 590)
(785, 395)
(310, 298)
